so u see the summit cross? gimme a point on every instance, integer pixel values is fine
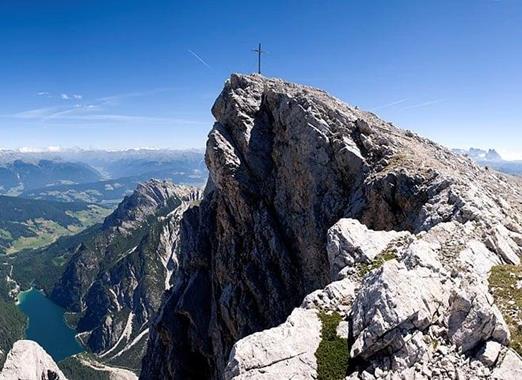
(259, 51)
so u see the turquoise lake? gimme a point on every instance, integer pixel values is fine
(47, 325)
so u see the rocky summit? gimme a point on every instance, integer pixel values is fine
(331, 244)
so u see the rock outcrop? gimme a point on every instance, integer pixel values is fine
(314, 206)
(115, 280)
(265, 355)
(28, 361)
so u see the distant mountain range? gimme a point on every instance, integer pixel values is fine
(480, 154)
(96, 157)
(492, 159)
(96, 176)
(19, 175)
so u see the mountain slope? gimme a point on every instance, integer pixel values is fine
(309, 197)
(12, 321)
(114, 280)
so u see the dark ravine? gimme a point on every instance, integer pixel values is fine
(286, 163)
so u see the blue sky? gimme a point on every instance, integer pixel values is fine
(117, 74)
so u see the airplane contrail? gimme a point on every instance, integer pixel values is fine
(199, 59)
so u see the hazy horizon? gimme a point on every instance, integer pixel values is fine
(60, 149)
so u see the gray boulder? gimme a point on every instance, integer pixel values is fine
(509, 368)
(283, 352)
(392, 303)
(351, 242)
(473, 317)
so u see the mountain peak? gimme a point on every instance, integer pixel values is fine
(317, 208)
(477, 154)
(147, 200)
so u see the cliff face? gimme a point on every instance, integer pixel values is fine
(299, 183)
(115, 280)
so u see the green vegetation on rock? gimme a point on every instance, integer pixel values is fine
(505, 282)
(332, 353)
(365, 268)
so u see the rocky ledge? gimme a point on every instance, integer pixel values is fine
(28, 361)
(331, 244)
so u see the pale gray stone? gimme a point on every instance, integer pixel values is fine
(488, 354)
(473, 317)
(283, 352)
(391, 302)
(28, 361)
(351, 242)
(509, 368)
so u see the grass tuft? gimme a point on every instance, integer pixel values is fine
(365, 268)
(332, 353)
(505, 282)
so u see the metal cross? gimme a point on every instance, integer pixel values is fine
(259, 51)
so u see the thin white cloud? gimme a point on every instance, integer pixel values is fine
(30, 149)
(36, 113)
(132, 119)
(43, 93)
(200, 59)
(71, 96)
(423, 104)
(115, 99)
(97, 112)
(94, 114)
(391, 104)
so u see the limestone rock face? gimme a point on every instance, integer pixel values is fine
(351, 242)
(285, 352)
(305, 190)
(474, 318)
(28, 361)
(393, 301)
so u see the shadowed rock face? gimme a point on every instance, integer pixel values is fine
(287, 162)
